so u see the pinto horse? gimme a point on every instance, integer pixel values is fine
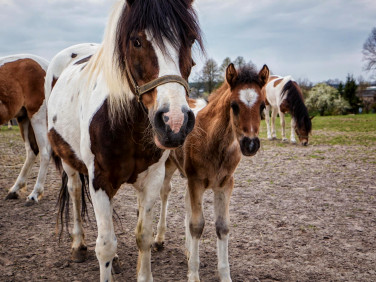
(113, 114)
(22, 96)
(284, 95)
(225, 129)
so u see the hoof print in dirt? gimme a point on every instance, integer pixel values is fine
(12, 196)
(79, 254)
(116, 266)
(158, 246)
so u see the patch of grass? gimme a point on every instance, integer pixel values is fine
(335, 130)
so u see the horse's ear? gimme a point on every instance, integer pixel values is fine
(264, 75)
(231, 74)
(130, 2)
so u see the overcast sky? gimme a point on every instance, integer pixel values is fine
(309, 39)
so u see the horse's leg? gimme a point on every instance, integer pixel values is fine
(195, 223)
(10, 124)
(274, 115)
(267, 120)
(30, 158)
(222, 222)
(165, 191)
(39, 125)
(106, 243)
(79, 249)
(293, 124)
(283, 126)
(148, 186)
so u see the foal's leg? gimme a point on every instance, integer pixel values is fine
(106, 243)
(267, 120)
(222, 222)
(283, 126)
(39, 124)
(79, 249)
(30, 158)
(194, 227)
(293, 124)
(10, 124)
(274, 115)
(165, 191)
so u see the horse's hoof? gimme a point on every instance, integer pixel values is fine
(12, 196)
(116, 266)
(158, 246)
(30, 201)
(274, 138)
(79, 254)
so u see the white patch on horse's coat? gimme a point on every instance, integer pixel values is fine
(248, 96)
(172, 95)
(200, 104)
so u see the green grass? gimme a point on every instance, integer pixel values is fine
(336, 130)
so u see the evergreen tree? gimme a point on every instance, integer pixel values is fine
(349, 93)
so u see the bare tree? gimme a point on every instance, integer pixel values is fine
(210, 75)
(224, 66)
(239, 62)
(369, 51)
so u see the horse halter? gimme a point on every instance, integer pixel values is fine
(140, 90)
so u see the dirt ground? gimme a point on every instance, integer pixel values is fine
(297, 214)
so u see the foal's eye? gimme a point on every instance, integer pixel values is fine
(137, 43)
(235, 108)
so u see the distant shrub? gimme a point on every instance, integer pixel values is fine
(325, 100)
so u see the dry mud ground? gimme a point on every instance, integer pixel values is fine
(297, 214)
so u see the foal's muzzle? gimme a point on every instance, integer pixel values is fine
(165, 135)
(248, 146)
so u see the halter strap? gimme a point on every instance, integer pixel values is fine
(140, 90)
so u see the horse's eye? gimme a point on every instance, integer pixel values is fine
(235, 108)
(137, 43)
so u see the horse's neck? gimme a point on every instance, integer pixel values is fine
(216, 122)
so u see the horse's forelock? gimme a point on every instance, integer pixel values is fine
(174, 21)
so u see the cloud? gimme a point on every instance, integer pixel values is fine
(316, 39)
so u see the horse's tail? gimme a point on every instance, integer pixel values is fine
(64, 198)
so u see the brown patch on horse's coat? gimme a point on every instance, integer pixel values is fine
(22, 85)
(83, 60)
(278, 81)
(121, 154)
(284, 106)
(192, 103)
(54, 80)
(65, 151)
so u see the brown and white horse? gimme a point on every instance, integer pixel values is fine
(225, 129)
(112, 115)
(284, 95)
(22, 96)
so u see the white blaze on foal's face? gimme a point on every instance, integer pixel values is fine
(248, 97)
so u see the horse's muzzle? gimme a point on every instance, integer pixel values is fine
(248, 146)
(167, 138)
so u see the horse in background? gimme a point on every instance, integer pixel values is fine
(22, 97)
(225, 129)
(113, 114)
(284, 95)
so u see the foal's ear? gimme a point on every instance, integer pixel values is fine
(264, 75)
(231, 74)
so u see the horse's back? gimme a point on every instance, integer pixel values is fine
(22, 84)
(274, 89)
